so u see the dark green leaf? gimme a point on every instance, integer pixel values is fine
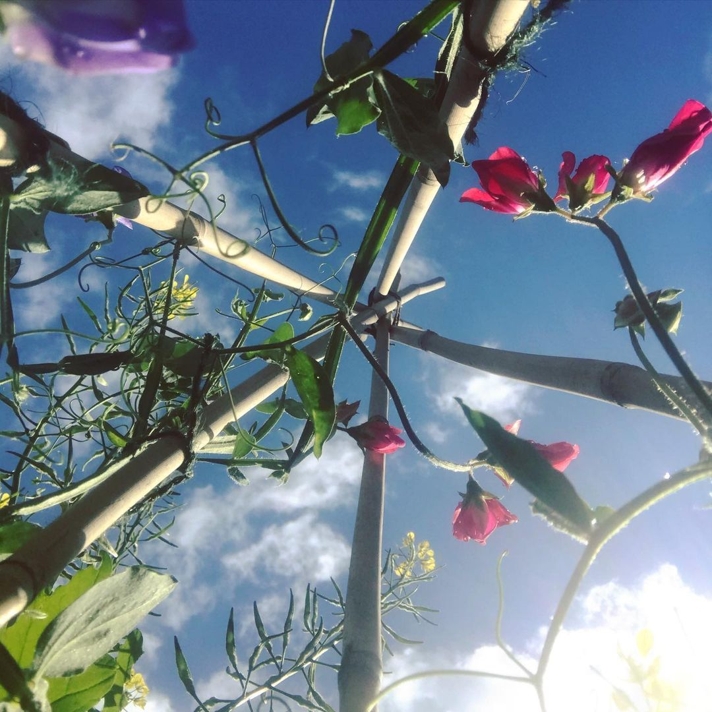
(130, 650)
(412, 124)
(531, 470)
(26, 231)
(78, 693)
(288, 624)
(76, 188)
(353, 106)
(184, 673)
(230, 645)
(315, 391)
(96, 621)
(235, 474)
(12, 678)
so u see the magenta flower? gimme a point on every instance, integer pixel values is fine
(508, 185)
(479, 514)
(377, 435)
(98, 37)
(558, 455)
(660, 156)
(588, 184)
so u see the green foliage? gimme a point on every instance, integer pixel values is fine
(555, 494)
(91, 625)
(353, 106)
(316, 393)
(412, 124)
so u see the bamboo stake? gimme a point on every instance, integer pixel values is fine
(491, 23)
(361, 663)
(609, 381)
(38, 563)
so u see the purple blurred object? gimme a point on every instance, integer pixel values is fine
(98, 36)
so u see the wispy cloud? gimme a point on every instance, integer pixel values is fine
(368, 180)
(502, 398)
(92, 112)
(354, 214)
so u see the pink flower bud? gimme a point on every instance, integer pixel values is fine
(660, 156)
(479, 514)
(377, 435)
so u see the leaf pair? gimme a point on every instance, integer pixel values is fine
(556, 498)
(403, 115)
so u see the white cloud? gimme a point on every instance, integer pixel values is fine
(354, 214)
(367, 180)
(226, 539)
(92, 112)
(502, 398)
(588, 658)
(302, 550)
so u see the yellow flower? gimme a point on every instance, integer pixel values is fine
(136, 689)
(182, 298)
(4, 499)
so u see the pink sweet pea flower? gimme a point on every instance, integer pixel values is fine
(508, 185)
(589, 182)
(558, 455)
(660, 156)
(100, 36)
(479, 514)
(378, 436)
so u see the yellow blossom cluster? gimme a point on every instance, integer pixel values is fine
(412, 553)
(182, 298)
(136, 689)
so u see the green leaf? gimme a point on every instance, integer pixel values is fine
(21, 637)
(26, 230)
(184, 673)
(15, 534)
(284, 332)
(412, 124)
(116, 438)
(315, 391)
(130, 650)
(354, 105)
(76, 188)
(531, 470)
(78, 693)
(236, 475)
(230, 645)
(291, 407)
(96, 621)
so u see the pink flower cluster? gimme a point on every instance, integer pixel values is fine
(378, 436)
(510, 186)
(480, 512)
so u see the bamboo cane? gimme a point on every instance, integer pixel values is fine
(361, 663)
(38, 563)
(491, 23)
(609, 381)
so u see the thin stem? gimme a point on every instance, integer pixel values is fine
(324, 34)
(667, 390)
(398, 403)
(283, 219)
(647, 308)
(604, 533)
(498, 624)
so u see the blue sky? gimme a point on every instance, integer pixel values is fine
(606, 76)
